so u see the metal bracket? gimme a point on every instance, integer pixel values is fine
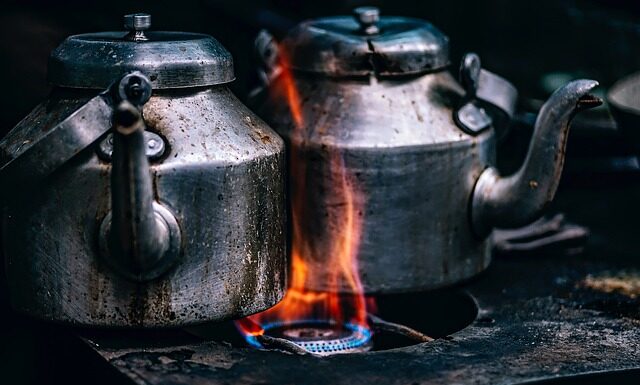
(470, 117)
(488, 97)
(155, 146)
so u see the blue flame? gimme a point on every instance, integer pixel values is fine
(360, 337)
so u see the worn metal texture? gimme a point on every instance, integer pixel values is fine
(337, 46)
(54, 132)
(484, 91)
(169, 59)
(535, 322)
(518, 199)
(221, 176)
(140, 237)
(409, 162)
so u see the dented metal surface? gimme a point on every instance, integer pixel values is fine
(417, 164)
(221, 176)
(339, 47)
(200, 228)
(399, 141)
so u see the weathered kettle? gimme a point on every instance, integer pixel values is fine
(419, 146)
(137, 209)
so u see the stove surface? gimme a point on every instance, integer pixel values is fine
(549, 318)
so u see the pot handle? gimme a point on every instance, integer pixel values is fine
(489, 99)
(25, 163)
(266, 51)
(139, 237)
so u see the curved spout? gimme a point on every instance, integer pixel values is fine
(520, 198)
(137, 237)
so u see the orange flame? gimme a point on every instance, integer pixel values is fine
(338, 248)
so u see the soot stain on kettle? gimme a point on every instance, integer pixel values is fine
(161, 303)
(138, 304)
(99, 284)
(444, 96)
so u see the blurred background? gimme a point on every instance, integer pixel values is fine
(538, 45)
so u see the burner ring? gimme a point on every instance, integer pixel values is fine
(320, 337)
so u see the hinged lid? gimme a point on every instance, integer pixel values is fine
(168, 59)
(366, 43)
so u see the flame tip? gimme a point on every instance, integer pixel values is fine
(339, 249)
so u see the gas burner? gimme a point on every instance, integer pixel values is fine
(318, 337)
(401, 320)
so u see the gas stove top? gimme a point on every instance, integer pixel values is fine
(534, 320)
(561, 319)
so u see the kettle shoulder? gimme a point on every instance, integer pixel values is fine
(211, 126)
(397, 112)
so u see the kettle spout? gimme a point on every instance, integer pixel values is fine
(140, 237)
(520, 198)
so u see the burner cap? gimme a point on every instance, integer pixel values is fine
(322, 337)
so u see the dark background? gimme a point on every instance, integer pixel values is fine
(538, 45)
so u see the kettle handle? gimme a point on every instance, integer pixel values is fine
(23, 163)
(139, 237)
(267, 52)
(489, 99)
(26, 163)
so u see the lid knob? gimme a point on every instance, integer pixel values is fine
(367, 17)
(136, 24)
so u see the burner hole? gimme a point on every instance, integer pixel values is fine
(436, 314)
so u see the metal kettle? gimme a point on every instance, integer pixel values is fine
(419, 145)
(156, 202)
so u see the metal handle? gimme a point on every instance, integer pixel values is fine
(489, 99)
(140, 237)
(24, 164)
(267, 52)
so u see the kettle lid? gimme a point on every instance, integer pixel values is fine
(168, 59)
(366, 44)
